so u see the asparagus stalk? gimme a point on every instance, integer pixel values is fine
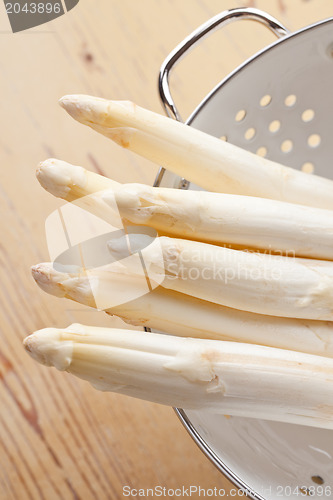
(203, 216)
(254, 282)
(178, 314)
(224, 377)
(205, 160)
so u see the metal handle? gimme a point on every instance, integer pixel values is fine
(208, 27)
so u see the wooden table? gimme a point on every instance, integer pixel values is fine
(59, 438)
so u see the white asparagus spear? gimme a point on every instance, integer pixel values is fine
(249, 281)
(202, 216)
(201, 158)
(224, 377)
(178, 314)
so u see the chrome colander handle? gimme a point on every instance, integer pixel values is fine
(208, 27)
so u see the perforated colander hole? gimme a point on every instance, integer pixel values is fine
(286, 146)
(224, 138)
(290, 100)
(308, 167)
(329, 51)
(317, 479)
(312, 490)
(262, 151)
(306, 491)
(265, 100)
(308, 115)
(274, 126)
(314, 140)
(250, 133)
(240, 115)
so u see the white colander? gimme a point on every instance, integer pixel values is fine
(278, 104)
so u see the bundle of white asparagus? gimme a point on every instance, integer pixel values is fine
(245, 269)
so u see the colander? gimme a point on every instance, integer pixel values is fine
(278, 104)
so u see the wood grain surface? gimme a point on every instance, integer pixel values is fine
(59, 438)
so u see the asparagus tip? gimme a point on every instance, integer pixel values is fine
(68, 100)
(45, 276)
(72, 104)
(58, 177)
(45, 347)
(98, 112)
